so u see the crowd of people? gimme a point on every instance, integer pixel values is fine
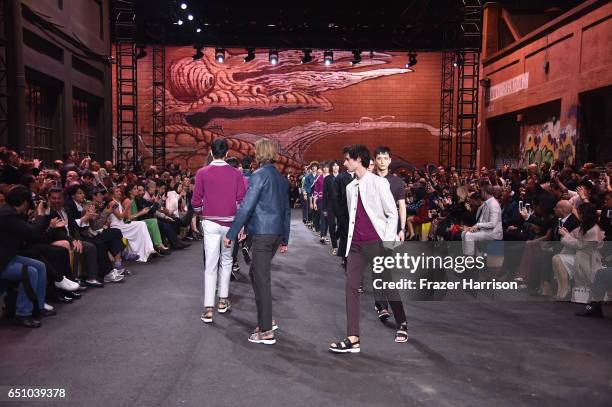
(567, 207)
(74, 224)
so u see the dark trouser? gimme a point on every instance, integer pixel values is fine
(235, 248)
(316, 221)
(322, 218)
(109, 241)
(354, 270)
(56, 260)
(93, 261)
(333, 235)
(263, 250)
(306, 209)
(601, 284)
(342, 236)
(167, 229)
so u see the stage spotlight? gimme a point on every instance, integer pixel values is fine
(356, 57)
(273, 57)
(179, 22)
(142, 52)
(199, 54)
(198, 30)
(183, 6)
(190, 17)
(307, 57)
(250, 55)
(220, 55)
(412, 61)
(328, 57)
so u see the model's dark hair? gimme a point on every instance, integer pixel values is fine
(359, 151)
(233, 161)
(382, 150)
(246, 162)
(219, 147)
(331, 165)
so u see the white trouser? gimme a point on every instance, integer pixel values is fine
(468, 238)
(213, 249)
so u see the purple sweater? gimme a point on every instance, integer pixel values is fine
(364, 231)
(317, 188)
(219, 189)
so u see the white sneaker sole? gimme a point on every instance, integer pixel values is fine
(206, 320)
(263, 341)
(349, 350)
(224, 310)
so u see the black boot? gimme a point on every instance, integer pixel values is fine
(592, 310)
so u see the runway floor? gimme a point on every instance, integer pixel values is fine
(141, 343)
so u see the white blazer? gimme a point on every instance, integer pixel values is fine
(378, 203)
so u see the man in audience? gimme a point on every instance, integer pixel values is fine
(90, 226)
(95, 272)
(488, 222)
(16, 232)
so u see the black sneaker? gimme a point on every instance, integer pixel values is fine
(27, 322)
(592, 310)
(246, 255)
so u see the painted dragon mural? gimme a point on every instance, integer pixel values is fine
(202, 93)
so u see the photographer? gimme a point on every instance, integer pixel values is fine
(32, 273)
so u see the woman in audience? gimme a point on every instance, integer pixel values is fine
(135, 232)
(132, 213)
(581, 267)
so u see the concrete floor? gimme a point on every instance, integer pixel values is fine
(141, 343)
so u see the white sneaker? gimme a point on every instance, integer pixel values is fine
(113, 277)
(67, 285)
(48, 307)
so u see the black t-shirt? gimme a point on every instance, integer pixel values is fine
(398, 187)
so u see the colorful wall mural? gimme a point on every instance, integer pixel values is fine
(547, 142)
(311, 110)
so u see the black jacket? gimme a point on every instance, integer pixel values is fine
(329, 186)
(341, 181)
(73, 214)
(16, 232)
(73, 232)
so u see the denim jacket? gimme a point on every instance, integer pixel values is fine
(265, 208)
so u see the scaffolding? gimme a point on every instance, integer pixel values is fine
(447, 118)
(4, 93)
(159, 105)
(468, 66)
(126, 85)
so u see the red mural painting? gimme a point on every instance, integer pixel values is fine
(310, 110)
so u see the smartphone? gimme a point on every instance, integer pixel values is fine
(560, 223)
(115, 206)
(528, 207)
(521, 206)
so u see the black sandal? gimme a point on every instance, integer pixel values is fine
(401, 336)
(345, 346)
